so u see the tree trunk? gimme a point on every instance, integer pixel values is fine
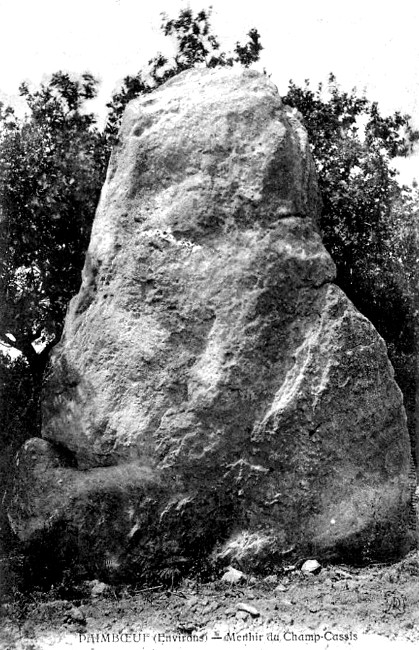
(37, 364)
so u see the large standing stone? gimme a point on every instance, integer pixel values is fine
(212, 382)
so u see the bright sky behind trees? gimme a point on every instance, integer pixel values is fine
(367, 44)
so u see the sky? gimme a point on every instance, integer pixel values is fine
(368, 44)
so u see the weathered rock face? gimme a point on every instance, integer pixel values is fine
(212, 382)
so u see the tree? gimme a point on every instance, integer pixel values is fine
(196, 45)
(52, 166)
(368, 220)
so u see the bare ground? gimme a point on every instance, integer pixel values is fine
(338, 606)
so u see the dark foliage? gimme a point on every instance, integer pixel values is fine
(368, 220)
(52, 166)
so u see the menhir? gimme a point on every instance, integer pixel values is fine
(213, 388)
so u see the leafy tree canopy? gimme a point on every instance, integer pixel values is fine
(353, 146)
(52, 166)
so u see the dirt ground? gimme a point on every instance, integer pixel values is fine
(377, 606)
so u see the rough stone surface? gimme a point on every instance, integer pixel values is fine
(233, 576)
(212, 382)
